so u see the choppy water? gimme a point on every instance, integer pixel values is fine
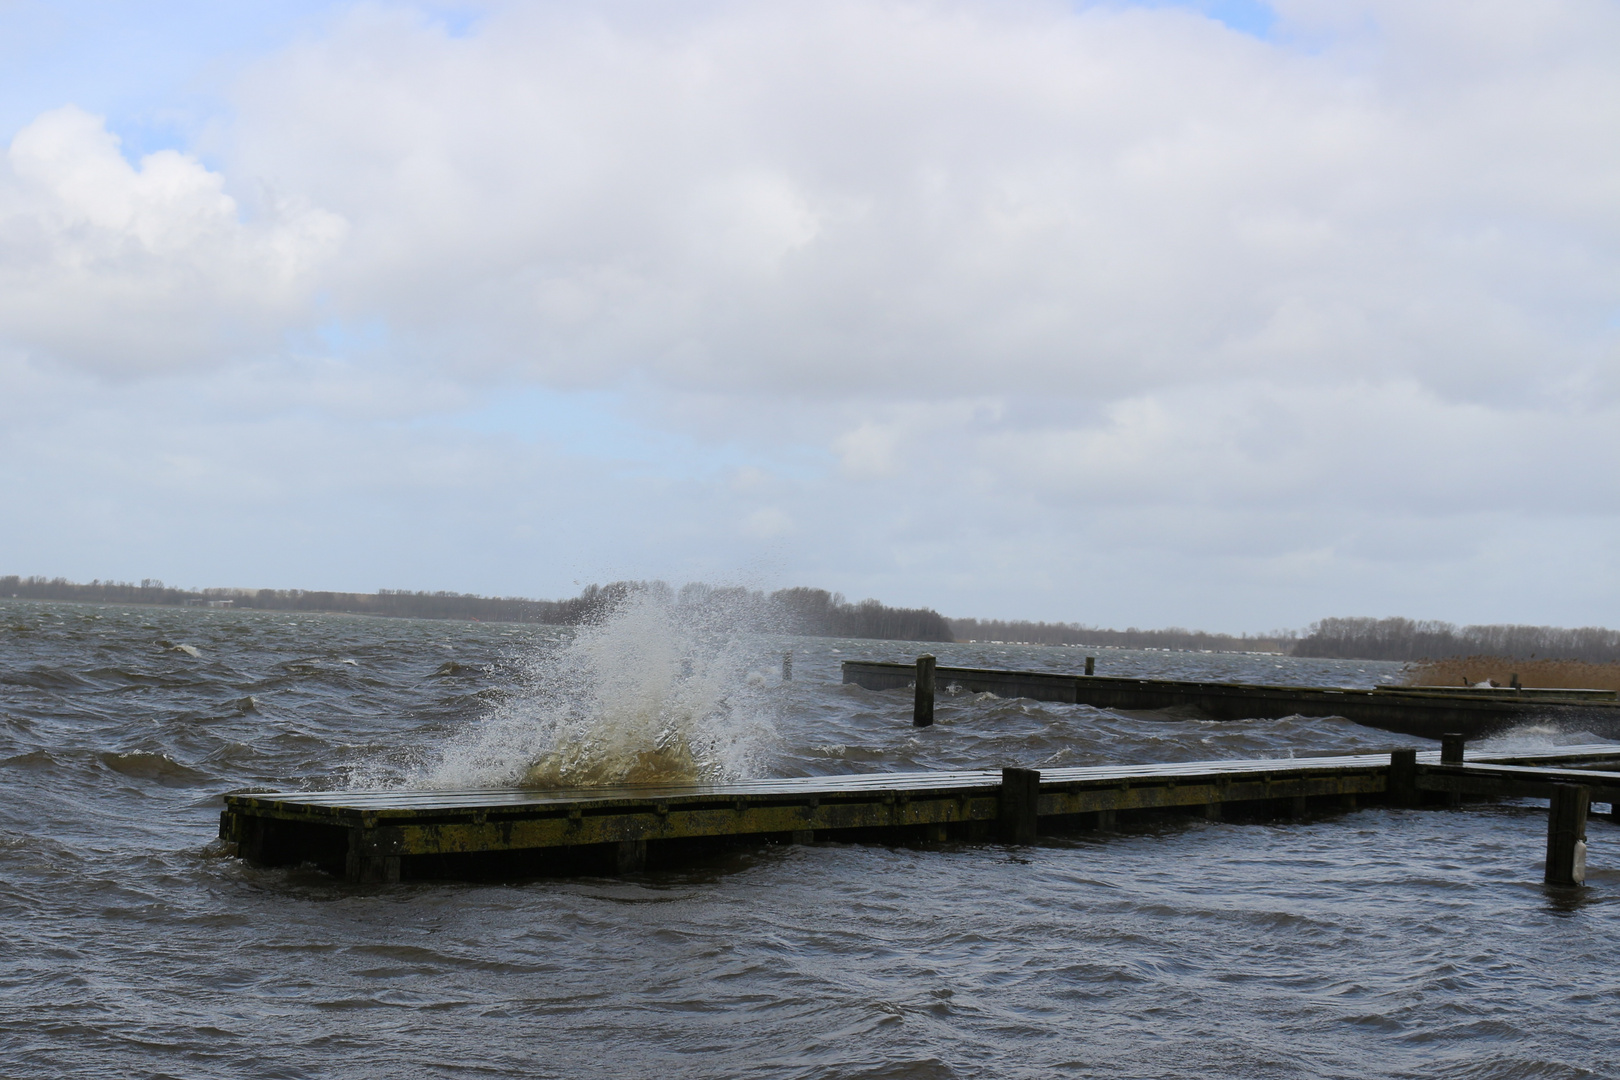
(1370, 944)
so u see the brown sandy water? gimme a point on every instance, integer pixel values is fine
(1369, 944)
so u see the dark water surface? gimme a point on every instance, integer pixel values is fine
(1369, 944)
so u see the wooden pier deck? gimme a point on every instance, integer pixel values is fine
(1427, 712)
(376, 836)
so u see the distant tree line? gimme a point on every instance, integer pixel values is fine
(793, 611)
(1044, 633)
(1426, 639)
(817, 612)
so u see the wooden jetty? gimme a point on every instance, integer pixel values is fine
(384, 836)
(1427, 712)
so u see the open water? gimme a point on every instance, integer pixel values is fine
(1377, 943)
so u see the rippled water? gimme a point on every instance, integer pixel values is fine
(1369, 944)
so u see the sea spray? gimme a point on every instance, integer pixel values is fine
(657, 688)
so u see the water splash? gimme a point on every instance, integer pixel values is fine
(658, 689)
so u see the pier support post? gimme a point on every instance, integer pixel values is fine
(787, 666)
(1091, 665)
(1566, 835)
(1403, 789)
(248, 832)
(1020, 795)
(1452, 745)
(366, 863)
(922, 713)
(630, 856)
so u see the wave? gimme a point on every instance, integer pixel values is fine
(653, 693)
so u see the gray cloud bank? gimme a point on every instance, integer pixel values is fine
(1111, 314)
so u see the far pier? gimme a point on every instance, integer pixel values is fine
(1425, 711)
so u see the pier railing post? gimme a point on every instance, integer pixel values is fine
(1020, 798)
(922, 713)
(1091, 665)
(1451, 748)
(787, 666)
(1566, 835)
(1403, 789)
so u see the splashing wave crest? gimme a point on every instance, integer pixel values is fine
(655, 691)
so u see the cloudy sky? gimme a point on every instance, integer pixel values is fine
(1230, 315)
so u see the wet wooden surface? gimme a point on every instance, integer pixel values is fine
(365, 835)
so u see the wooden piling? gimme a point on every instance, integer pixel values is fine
(1020, 796)
(1091, 665)
(1566, 835)
(922, 713)
(370, 860)
(787, 666)
(1451, 748)
(1403, 788)
(630, 856)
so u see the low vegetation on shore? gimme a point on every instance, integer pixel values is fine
(1503, 670)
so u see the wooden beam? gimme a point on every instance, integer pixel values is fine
(1566, 835)
(1020, 802)
(922, 712)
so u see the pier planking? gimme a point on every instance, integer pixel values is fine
(378, 836)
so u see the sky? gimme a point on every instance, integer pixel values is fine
(1227, 315)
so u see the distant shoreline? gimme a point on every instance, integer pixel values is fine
(819, 613)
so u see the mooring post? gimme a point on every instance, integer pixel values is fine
(1020, 796)
(1091, 665)
(1403, 789)
(1566, 835)
(922, 714)
(787, 666)
(1451, 753)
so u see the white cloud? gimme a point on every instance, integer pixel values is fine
(123, 269)
(767, 523)
(975, 285)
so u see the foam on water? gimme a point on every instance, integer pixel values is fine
(655, 691)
